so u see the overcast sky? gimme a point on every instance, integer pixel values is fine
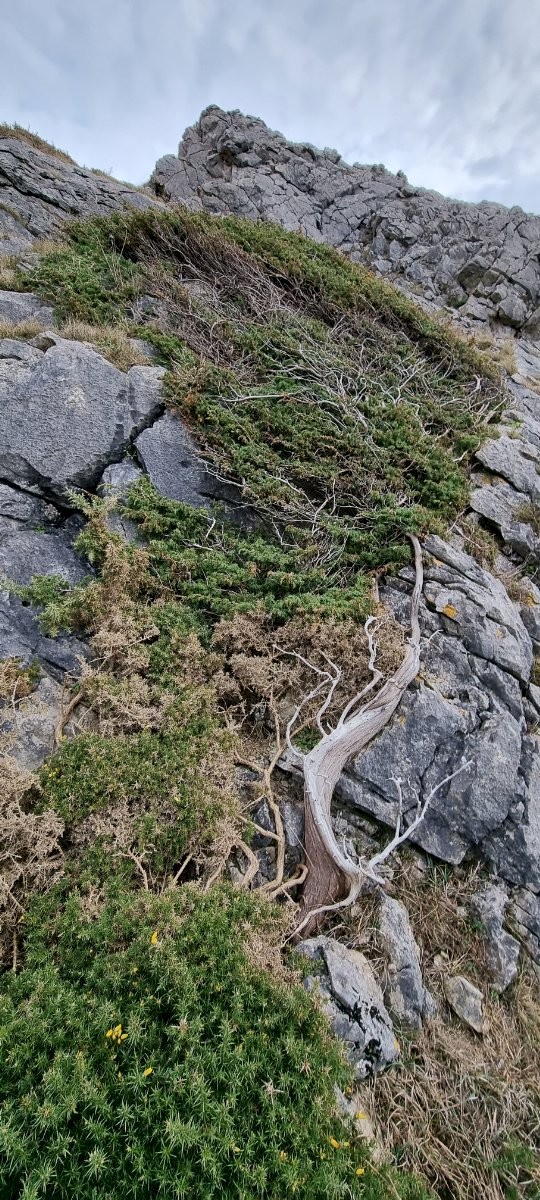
(446, 90)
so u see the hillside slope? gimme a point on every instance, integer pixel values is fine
(217, 438)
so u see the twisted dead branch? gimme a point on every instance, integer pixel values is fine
(334, 880)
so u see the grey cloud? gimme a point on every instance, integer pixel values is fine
(446, 90)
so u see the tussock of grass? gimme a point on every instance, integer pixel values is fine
(9, 273)
(111, 340)
(21, 330)
(38, 143)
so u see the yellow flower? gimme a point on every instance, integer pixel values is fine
(360, 1170)
(122, 1037)
(117, 1031)
(334, 1144)
(148, 1071)
(109, 1033)
(361, 1116)
(154, 938)
(236, 1149)
(283, 1155)
(345, 1145)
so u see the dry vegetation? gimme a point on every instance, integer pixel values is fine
(458, 1104)
(38, 143)
(111, 340)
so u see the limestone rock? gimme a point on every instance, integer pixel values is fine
(466, 1000)
(525, 921)
(27, 553)
(115, 483)
(172, 461)
(406, 996)
(21, 637)
(228, 162)
(478, 607)
(25, 306)
(354, 1004)
(502, 950)
(40, 191)
(28, 730)
(66, 413)
(516, 462)
(19, 510)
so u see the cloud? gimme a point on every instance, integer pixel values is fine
(447, 91)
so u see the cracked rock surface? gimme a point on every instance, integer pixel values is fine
(353, 1002)
(482, 258)
(39, 191)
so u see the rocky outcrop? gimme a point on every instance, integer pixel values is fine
(66, 413)
(40, 191)
(353, 1001)
(406, 996)
(480, 258)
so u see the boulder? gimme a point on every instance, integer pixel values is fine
(16, 307)
(173, 463)
(66, 413)
(353, 1002)
(405, 994)
(20, 510)
(466, 1000)
(502, 950)
(516, 461)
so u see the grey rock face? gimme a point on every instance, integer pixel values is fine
(27, 553)
(39, 191)
(502, 950)
(19, 510)
(25, 306)
(502, 505)
(477, 606)
(28, 730)
(405, 993)
(516, 461)
(466, 1000)
(525, 921)
(227, 162)
(22, 638)
(354, 1004)
(115, 483)
(466, 707)
(170, 458)
(66, 413)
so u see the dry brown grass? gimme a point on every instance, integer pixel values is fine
(30, 853)
(38, 143)
(503, 352)
(111, 340)
(21, 330)
(456, 1101)
(8, 273)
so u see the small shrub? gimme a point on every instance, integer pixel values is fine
(144, 1055)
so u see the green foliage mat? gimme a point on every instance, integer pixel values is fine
(345, 414)
(144, 1054)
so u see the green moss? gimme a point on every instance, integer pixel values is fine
(215, 1080)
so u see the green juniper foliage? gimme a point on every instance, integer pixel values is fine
(345, 413)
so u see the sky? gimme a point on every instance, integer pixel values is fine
(446, 90)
